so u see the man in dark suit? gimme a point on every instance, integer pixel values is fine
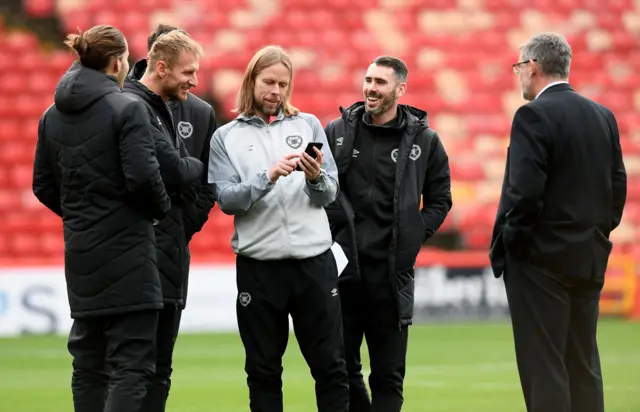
(563, 193)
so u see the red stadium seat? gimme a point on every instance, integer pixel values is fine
(39, 8)
(336, 44)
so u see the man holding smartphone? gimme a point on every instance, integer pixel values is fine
(282, 238)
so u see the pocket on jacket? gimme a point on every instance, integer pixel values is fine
(410, 238)
(404, 285)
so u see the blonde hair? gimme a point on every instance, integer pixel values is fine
(168, 46)
(265, 57)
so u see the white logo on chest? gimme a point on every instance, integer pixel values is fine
(416, 151)
(294, 141)
(244, 298)
(185, 129)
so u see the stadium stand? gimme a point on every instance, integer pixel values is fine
(459, 54)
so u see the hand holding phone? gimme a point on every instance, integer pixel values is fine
(311, 160)
(284, 167)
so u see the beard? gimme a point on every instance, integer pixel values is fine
(384, 103)
(260, 108)
(174, 94)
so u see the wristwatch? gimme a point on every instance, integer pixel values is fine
(318, 179)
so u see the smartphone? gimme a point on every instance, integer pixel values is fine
(309, 150)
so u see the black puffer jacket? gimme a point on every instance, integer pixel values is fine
(182, 176)
(95, 166)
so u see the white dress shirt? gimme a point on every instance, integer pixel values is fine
(550, 85)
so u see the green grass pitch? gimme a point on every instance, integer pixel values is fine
(451, 367)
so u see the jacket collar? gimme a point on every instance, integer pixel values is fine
(416, 119)
(257, 120)
(555, 87)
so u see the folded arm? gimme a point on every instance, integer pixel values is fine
(196, 215)
(177, 172)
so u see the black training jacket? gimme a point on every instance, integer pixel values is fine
(181, 175)
(195, 122)
(422, 172)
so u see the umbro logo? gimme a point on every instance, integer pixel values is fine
(355, 153)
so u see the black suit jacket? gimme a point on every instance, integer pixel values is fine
(564, 187)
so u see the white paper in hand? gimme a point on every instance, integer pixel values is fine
(340, 257)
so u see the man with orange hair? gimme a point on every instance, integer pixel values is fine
(282, 239)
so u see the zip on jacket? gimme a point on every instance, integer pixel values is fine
(281, 220)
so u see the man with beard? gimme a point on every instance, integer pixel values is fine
(282, 237)
(195, 123)
(172, 65)
(563, 194)
(388, 161)
(95, 167)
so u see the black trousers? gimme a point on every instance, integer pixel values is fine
(166, 336)
(113, 361)
(554, 327)
(369, 311)
(268, 291)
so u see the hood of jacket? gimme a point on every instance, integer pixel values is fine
(138, 69)
(414, 118)
(132, 85)
(80, 87)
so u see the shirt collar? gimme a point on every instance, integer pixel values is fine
(551, 85)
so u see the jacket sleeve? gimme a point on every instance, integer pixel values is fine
(46, 184)
(139, 163)
(177, 172)
(326, 189)
(196, 215)
(233, 195)
(528, 160)
(335, 211)
(618, 175)
(436, 190)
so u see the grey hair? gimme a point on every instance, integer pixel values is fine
(551, 51)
